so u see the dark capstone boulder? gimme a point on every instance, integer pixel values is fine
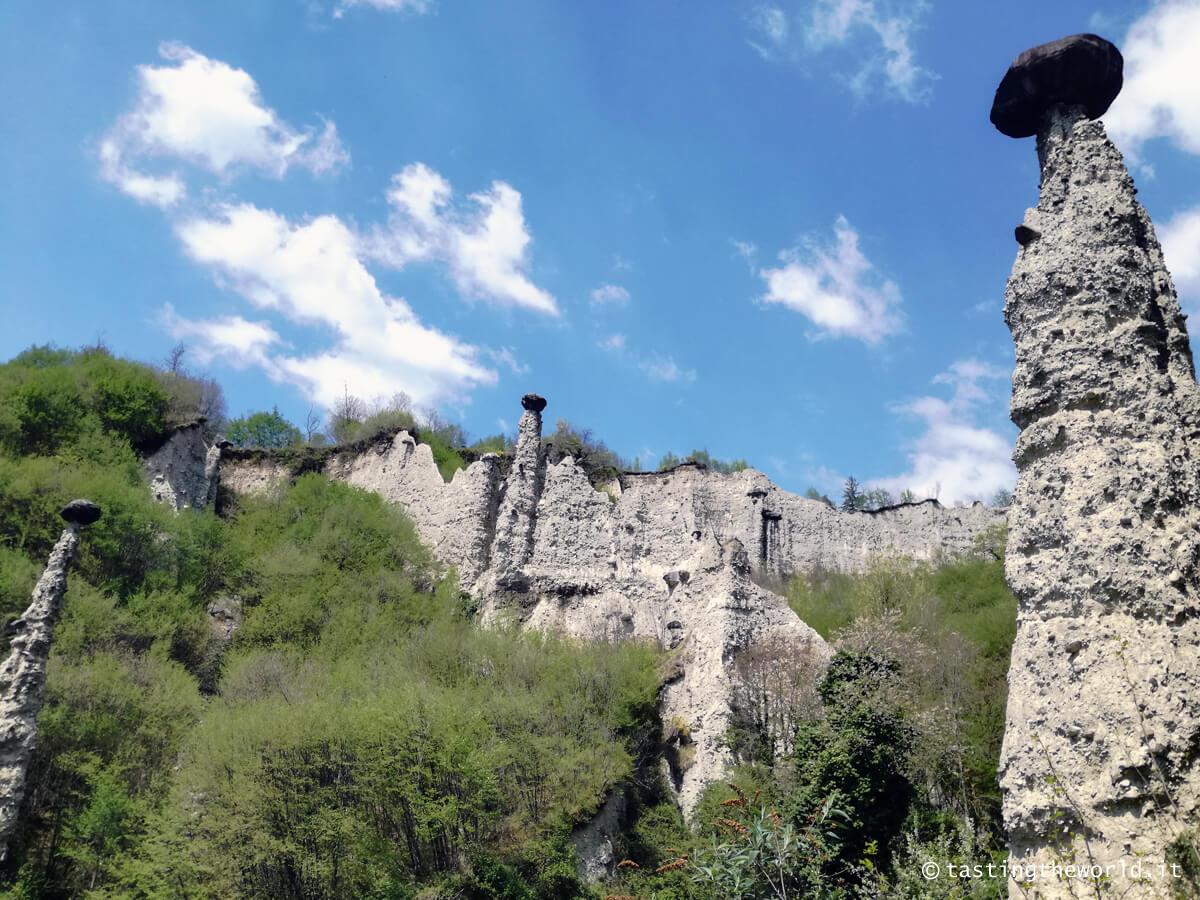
(533, 402)
(1080, 70)
(80, 512)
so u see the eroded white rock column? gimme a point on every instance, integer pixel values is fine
(516, 518)
(1099, 764)
(23, 674)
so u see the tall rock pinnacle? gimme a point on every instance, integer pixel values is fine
(23, 673)
(517, 515)
(1101, 759)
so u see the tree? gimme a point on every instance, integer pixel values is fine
(266, 430)
(1002, 498)
(852, 497)
(877, 498)
(312, 428)
(907, 496)
(346, 418)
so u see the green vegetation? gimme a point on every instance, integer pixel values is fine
(590, 453)
(727, 467)
(361, 736)
(268, 430)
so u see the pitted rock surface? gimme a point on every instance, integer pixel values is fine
(1099, 762)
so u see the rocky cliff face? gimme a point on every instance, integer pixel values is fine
(1103, 733)
(676, 557)
(183, 472)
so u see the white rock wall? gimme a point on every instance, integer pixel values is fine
(671, 557)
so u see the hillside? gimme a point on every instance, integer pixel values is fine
(295, 698)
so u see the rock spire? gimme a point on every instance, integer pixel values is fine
(23, 674)
(1101, 759)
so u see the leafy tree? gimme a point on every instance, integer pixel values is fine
(266, 430)
(907, 496)
(1002, 498)
(855, 757)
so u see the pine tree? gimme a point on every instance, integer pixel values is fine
(851, 495)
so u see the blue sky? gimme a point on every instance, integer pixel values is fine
(779, 231)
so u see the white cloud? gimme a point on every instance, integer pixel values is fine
(747, 250)
(1181, 249)
(311, 275)
(1162, 68)
(242, 343)
(664, 368)
(836, 288)
(655, 366)
(416, 7)
(507, 357)
(878, 34)
(956, 459)
(610, 294)
(484, 248)
(208, 114)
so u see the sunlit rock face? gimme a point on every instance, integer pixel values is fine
(183, 472)
(677, 557)
(1099, 765)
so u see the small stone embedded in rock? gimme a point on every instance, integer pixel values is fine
(1026, 235)
(1080, 70)
(80, 512)
(533, 402)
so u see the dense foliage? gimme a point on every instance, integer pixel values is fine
(360, 736)
(268, 430)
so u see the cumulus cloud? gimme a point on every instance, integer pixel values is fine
(610, 294)
(311, 275)
(878, 35)
(836, 288)
(956, 458)
(612, 342)
(485, 247)
(1180, 238)
(1162, 69)
(210, 115)
(240, 342)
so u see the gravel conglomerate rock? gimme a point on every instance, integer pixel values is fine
(1099, 764)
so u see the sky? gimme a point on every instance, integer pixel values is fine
(777, 231)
